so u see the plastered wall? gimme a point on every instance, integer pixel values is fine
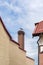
(4, 47)
(18, 56)
(10, 54)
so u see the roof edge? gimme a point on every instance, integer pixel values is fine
(36, 23)
(30, 58)
(22, 49)
(5, 28)
(7, 31)
(14, 41)
(37, 34)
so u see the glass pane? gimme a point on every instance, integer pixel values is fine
(41, 49)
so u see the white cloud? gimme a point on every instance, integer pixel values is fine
(0, 13)
(31, 47)
(36, 4)
(25, 24)
(30, 42)
(11, 7)
(8, 22)
(29, 12)
(32, 54)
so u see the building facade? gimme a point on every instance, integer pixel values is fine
(38, 31)
(11, 52)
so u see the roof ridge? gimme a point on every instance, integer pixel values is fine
(38, 22)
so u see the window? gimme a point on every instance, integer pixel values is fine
(41, 48)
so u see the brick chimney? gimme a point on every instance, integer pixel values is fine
(21, 38)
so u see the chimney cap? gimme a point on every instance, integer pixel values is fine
(21, 31)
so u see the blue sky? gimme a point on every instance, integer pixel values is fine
(18, 14)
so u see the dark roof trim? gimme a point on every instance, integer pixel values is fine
(14, 41)
(36, 34)
(41, 52)
(30, 58)
(36, 23)
(5, 28)
(7, 32)
(22, 49)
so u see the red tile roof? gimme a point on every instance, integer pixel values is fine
(38, 29)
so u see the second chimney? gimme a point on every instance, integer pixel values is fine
(21, 38)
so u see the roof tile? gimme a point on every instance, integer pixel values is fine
(38, 29)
